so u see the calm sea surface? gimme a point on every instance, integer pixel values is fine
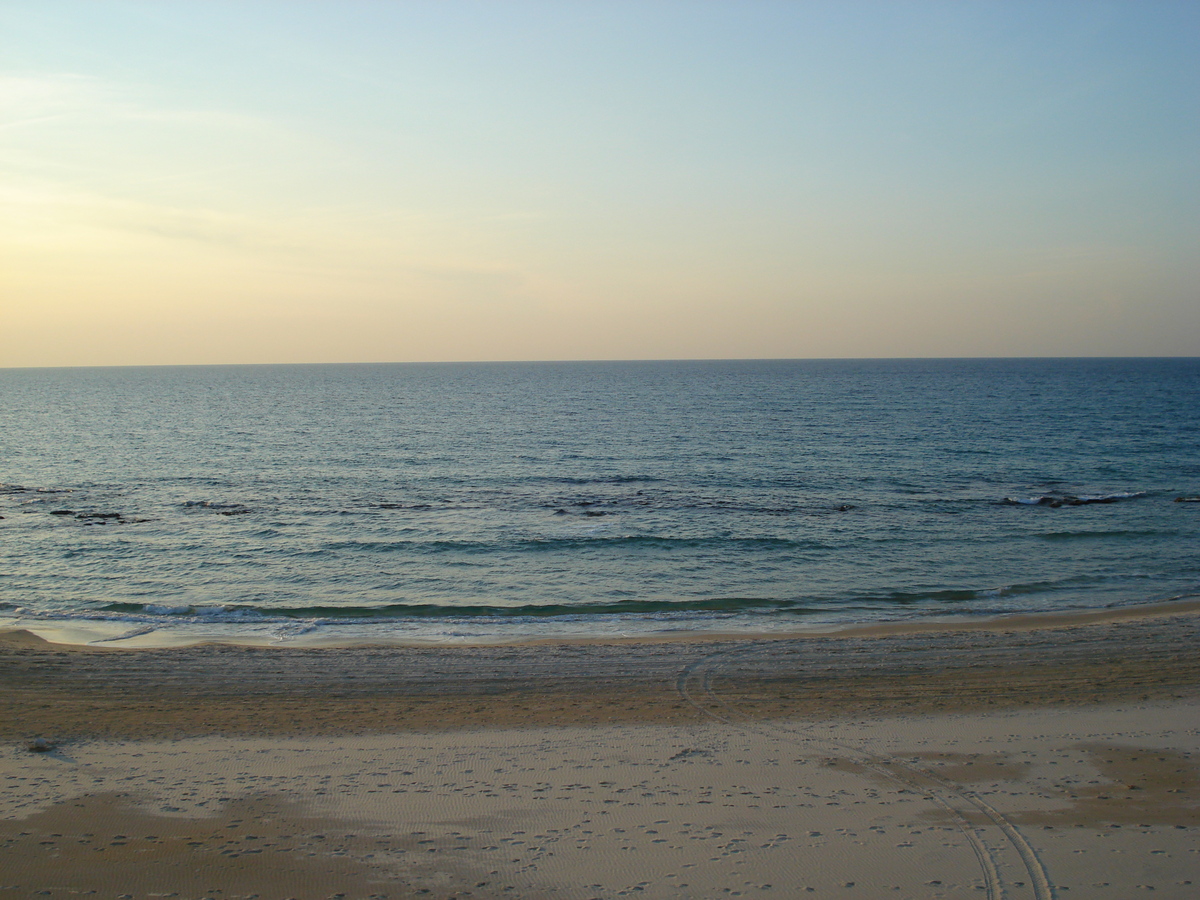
(476, 502)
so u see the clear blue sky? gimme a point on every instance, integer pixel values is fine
(316, 182)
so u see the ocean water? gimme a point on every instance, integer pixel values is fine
(480, 502)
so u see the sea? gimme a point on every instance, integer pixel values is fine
(483, 503)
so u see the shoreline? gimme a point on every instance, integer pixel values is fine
(77, 635)
(1152, 652)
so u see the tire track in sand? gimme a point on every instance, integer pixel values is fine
(994, 840)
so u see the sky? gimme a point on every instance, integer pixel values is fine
(304, 182)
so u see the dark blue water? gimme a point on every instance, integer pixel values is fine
(451, 502)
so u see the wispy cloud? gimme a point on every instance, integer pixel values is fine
(49, 210)
(44, 96)
(84, 132)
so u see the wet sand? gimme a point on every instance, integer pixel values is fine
(1045, 759)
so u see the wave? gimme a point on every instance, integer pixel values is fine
(955, 595)
(224, 508)
(439, 611)
(550, 545)
(690, 612)
(21, 489)
(601, 479)
(1102, 535)
(1057, 500)
(597, 609)
(161, 610)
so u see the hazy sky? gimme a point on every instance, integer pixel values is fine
(374, 181)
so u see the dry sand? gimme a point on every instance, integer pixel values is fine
(1016, 761)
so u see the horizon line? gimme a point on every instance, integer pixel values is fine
(600, 360)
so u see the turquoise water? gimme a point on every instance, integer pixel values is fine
(492, 501)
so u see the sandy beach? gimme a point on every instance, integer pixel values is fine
(1015, 758)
